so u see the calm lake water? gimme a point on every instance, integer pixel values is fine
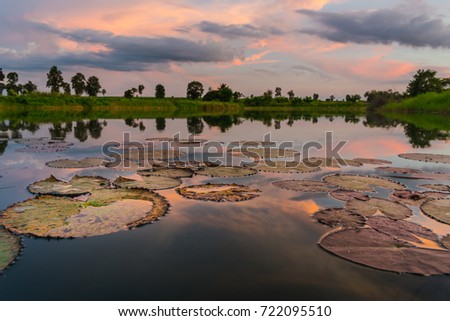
(261, 249)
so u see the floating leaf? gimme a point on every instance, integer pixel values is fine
(438, 209)
(446, 241)
(160, 139)
(219, 192)
(127, 165)
(339, 217)
(148, 182)
(415, 198)
(361, 183)
(74, 163)
(193, 165)
(437, 187)
(328, 162)
(35, 140)
(398, 170)
(107, 211)
(393, 210)
(172, 172)
(225, 171)
(9, 248)
(48, 147)
(378, 250)
(253, 143)
(424, 157)
(269, 153)
(372, 161)
(346, 195)
(281, 167)
(150, 155)
(304, 186)
(189, 142)
(433, 176)
(78, 185)
(401, 229)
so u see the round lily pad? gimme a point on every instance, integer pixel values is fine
(281, 167)
(226, 171)
(189, 142)
(269, 153)
(432, 176)
(445, 241)
(127, 165)
(219, 192)
(150, 155)
(304, 186)
(437, 187)
(399, 170)
(372, 161)
(339, 217)
(33, 140)
(160, 139)
(378, 250)
(78, 185)
(415, 198)
(74, 163)
(47, 147)
(346, 195)
(328, 162)
(148, 182)
(193, 165)
(9, 248)
(253, 143)
(393, 210)
(172, 172)
(106, 211)
(361, 183)
(438, 209)
(425, 157)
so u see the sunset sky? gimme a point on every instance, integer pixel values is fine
(329, 47)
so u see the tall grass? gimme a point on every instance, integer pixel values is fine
(429, 103)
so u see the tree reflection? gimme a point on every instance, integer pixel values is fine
(195, 125)
(160, 124)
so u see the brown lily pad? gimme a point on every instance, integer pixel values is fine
(346, 195)
(339, 217)
(401, 229)
(107, 211)
(281, 167)
(328, 162)
(172, 172)
(393, 210)
(432, 176)
(126, 165)
(219, 192)
(160, 139)
(425, 157)
(445, 241)
(361, 183)
(226, 171)
(9, 248)
(437, 187)
(47, 147)
(74, 163)
(304, 186)
(253, 143)
(149, 156)
(438, 209)
(189, 142)
(148, 182)
(381, 251)
(269, 153)
(398, 170)
(78, 185)
(372, 161)
(415, 198)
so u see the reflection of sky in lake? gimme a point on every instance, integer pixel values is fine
(264, 248)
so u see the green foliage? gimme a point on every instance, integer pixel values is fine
(55, 80)
(194, 90)
(424, 81)
(128, 94)
(160, 91)
(2, 75)
(30, 87)
(141, 89)
(430, 102)
(291, 94)
(315, 96)
(93, 86)
(79, 84)
(278, 92)
(376, 98)
(353, 98)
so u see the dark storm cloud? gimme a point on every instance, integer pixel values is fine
(383, 26)
(233, 31)
(123, 52)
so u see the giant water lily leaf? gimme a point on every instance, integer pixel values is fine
(339, 217)
(74, 163)
(437, 187)
(372, 161)
(225, 171)
(9, 248)
(381, 251)
(438, 209)
(415, 198)
(305, 186)
(189, 142)
(425, 157)
(151, 155)
(393, 210)
(148, 182)
(398, 170)
(160, 139)
(219, 192)
(434, 176)
(253, 143)
(401, 229)
(361, 183)
(445, 241)
(107, 211)
(346, 195)
(36, 140)
(126, 165)
(281, 167)
(47, 147)
(172, 172)
(330, 162)
(76, 186)
(269, 153)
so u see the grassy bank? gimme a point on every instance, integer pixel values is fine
(426, 103)
(425, 121)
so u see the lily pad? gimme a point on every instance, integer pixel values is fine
(48, 147)
(34, 140)
(254, 143)
(148, 182)
(425, 157)
(339, 217)
(399, 170)
(252, 152)
(328, 162)
(347, 195)
(150, 155)
(219, 192)
(160, 139)
(107, 211)
(281, 167)
(401, 229)
(193, 165)
(445, 241)
(172, 172)
(393, 210)
(381, 251)
(226, 171)
(372, 161)
(438, 209)
(9, 248)
(189, 142)
(437, 187)
(304, 186)
(361, 183)
(78, 185)
(432, 176)
(127, 165)
(74, 163)
(415, 198)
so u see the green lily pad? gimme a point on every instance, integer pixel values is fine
(172, 172)
(281, 167)
(425, 157)
(437, 187)
(304, 186)
(372, 161)
(107, 211)
(339, 217)
(74, 163)
(148, 182)
(226, 171)
(361, 183)
(328, 162)
(219, 192)
(9, 248)
(252, 152)
(393, 210)
(438, 209)
(78, 185)
(347, 195)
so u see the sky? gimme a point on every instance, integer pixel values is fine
(329, 47)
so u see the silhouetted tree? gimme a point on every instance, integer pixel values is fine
(103, 91)
(93, 86)
(291, 94)
(194, 90)
(278, 92)
(79, 83)
(29, 87)
(194, 125)
(424, 81)
(315, 96)
(128, 94)
(54, 80)
(237, 95)
(141, 89)
(268, 94)
(352, 98)
(11, 84)
(2, 78)
(160, 91)
(66, 88)
(160, 124)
